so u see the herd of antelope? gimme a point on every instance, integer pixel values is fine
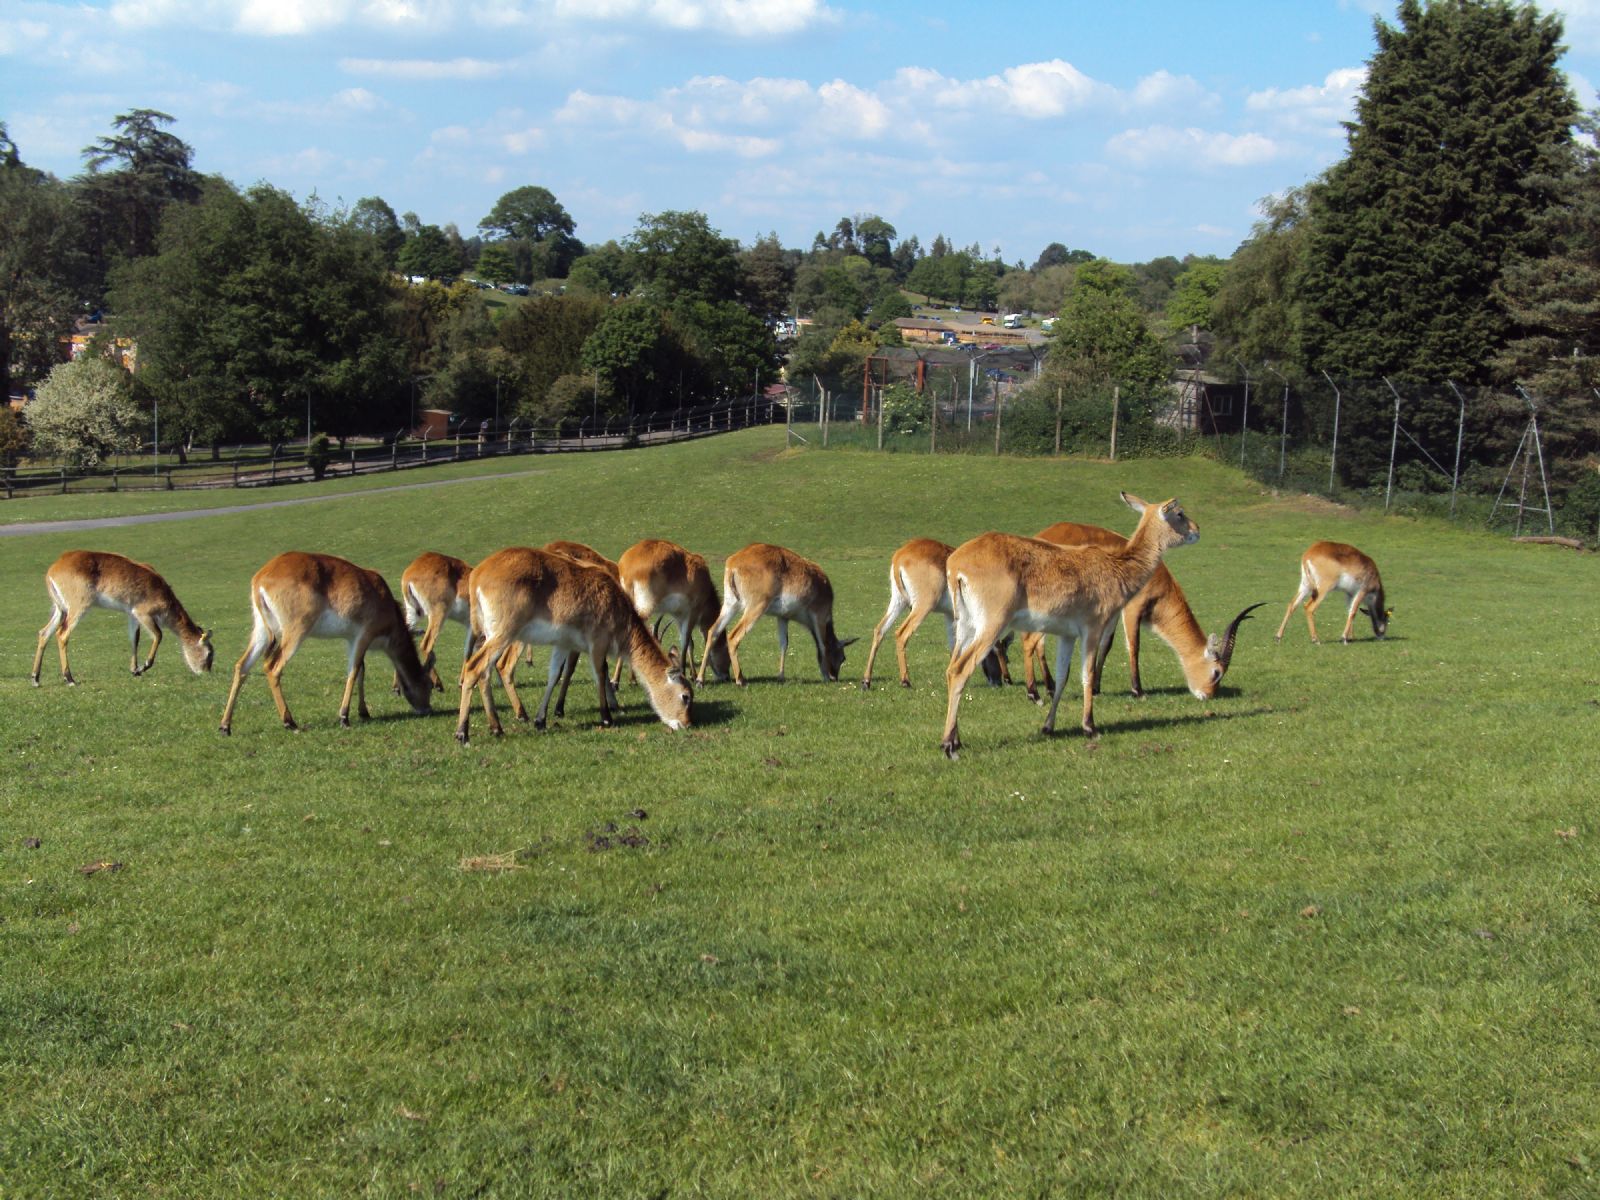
(1071, 581)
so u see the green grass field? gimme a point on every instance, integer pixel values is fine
(1333, 933)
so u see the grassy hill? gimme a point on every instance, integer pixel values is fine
(1332, 933)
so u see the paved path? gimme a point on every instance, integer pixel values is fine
(189, 514)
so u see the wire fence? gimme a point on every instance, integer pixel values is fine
(251, 466)
(1502, 459)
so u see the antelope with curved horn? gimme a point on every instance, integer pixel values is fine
(525, 595)
(83, 579)
(1335, 567)
(434, 590)
(917, 585)
(297, 596)
(1160, 604)
(763, 578)
(665, 580)
(1000, 581)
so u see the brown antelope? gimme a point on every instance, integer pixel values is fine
(769, 579)
(917, 584)
(1160, 604)
(83, 579)
(298, 596)
(665, 580)
(433, 589)
(1000, 581)
(1335, 567)
(587, 556)
(526, 595)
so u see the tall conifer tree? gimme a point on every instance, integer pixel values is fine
(1414, 226)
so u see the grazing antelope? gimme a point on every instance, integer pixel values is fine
(298, 596)
(83, 579)
(434, 589)
(526, 595)
(769, 579)
(917, 584)
(1160, 604)
(665, 580)
(1000, 581)
(1335, 567)
(587, 556)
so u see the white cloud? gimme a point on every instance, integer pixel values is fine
(1314, 108)
(1582, 18)
(1163, 145)
(424, 69)
(1164, 89)
(657, 120)
(1035, 90)
(735, 18)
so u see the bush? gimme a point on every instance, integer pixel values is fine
(1580, 510)
(85, 412)
(317, 456)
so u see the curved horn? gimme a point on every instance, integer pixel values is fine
(1225, 655)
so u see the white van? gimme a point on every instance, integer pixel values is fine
(1012, 321)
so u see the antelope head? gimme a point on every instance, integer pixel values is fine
(199, 653)
(672, 698)
(1218, 655)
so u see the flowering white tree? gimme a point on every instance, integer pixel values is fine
(85, 411)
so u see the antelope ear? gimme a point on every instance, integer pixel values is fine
(205, 637)
(1387, 613)
(672, 657)
(1212, 646)
(848, 642)
(1133, 501)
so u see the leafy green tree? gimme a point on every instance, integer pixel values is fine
(134, 174)
(1194, 292)
(734, 347)
(40, 267)
(542, 341)
(1057, 255)
(602, 271)
(373, 217)
(678, 256)
(876, 238)
(905, 256)
(1463, 99)
(767, 277)
(428, 253)
(257, 307)
(496, 264)
(1256, 313)
(13, 437)
(538, 229)
(1553, 296)
(636, 350)
(1103, 340)
(84, 412)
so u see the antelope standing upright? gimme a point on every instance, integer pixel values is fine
(525, 595)
(1000, 581)
(1335, 567)
(917, 584)
(434, 590)
(297, 596)
(1160, 604)
(770, 579)
(665, 580)
(83, 579)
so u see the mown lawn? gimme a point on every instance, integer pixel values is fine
(1333, 933)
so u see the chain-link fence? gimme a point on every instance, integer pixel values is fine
(1504, 459)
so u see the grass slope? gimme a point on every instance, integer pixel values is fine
(1317, 937)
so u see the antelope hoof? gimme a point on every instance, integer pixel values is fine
(288, 723)
(1047, 730)
(366, 715)
(225, 731)
(1136, 692)
(1090, 731)
(138, 671)
(606, 722)
(905, 683)
(461, 736)
(951, 748)
(69, 681)
(344, 720)
(35, 679)
(866, 685)
(538, 723)
(1346, 641)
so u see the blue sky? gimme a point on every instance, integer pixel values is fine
(1132, 130)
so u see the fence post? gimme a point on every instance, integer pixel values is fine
(1058, 422)
(1116, 412)
(272, 476)
(933, 420)
(1333, 459)
(1394, 442)
(824, 418)
(997, 416)
(63, 479)
(880, 420)
(114, 486)
(169, 481)
(1461, 425)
